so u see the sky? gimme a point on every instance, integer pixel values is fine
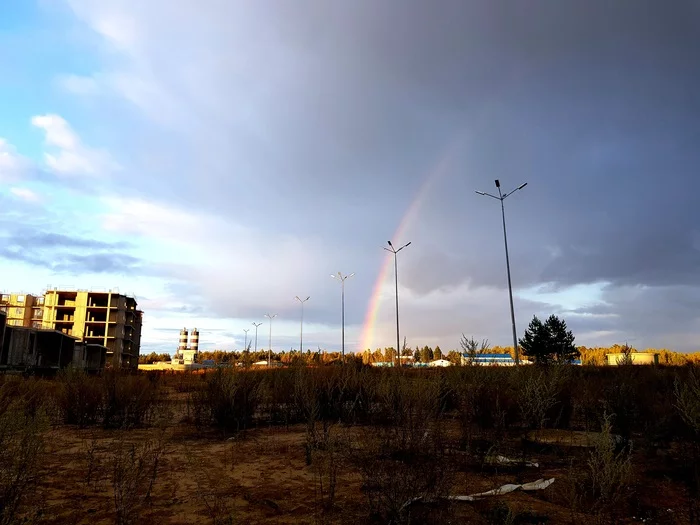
(217, 158)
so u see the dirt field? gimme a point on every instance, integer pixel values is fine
(173, 470)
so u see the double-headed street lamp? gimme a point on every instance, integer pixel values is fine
(256, 335)
(396, 279)
(342, 280)
(301, 326)
(501, 197)
(269, 350)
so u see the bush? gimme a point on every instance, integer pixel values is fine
(21, 443)
(128, 400)
(602, 485)
(80, 397)
(134, 472)
(228, 400)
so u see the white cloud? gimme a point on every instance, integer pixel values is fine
(238, 270)
(25, 194)
(13, 166)
(78, 85)
(71, 156)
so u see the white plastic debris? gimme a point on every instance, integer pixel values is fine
(540, 484)
(503, 460)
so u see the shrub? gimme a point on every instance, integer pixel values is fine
(134, 472)
(128, 400)
(80, 397)
(228, 400)
(21, 444)
(540, 394)
(603, 484)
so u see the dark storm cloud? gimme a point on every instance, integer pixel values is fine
(26, 238)
(75, 264)
(339, 111)
(68, 254)
(593, 103)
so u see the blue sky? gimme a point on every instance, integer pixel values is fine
(217, 159)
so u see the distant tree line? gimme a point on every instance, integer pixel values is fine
(543, 342)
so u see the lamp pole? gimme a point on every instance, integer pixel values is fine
(256, 336)
(269, 350)
(396, 280)
(501, 197)
(342, 280)
(245, 345)
(301, 325)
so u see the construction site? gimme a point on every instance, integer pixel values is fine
(60, 328)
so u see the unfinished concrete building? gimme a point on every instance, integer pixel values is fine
(89, 357)
(31, 349)
(3, 322)
(19, 308)
(102, 318)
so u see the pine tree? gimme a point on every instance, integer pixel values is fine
(549, 342)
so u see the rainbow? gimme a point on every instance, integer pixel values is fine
(367, 338)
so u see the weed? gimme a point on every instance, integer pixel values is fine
(21, 446)
(134, 472)
(80, 399)
(604, 482)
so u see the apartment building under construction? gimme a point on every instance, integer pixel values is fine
(103, 318)
(22, 309)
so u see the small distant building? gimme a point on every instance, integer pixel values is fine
(439, 362)
(489, 360)
(636, 358)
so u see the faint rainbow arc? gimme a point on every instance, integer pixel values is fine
(367, 338)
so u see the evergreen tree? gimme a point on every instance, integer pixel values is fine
(437, 353)
(426, 355)
(549, 342)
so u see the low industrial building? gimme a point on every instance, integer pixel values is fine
(633, 358)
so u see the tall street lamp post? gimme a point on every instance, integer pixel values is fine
(342, 280)
(269, 349)
(301, 325)
(245, 345)
(501, 197)
(256, 336)
(396, 280)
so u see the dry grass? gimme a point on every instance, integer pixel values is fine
(348, 445)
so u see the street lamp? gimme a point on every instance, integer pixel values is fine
(269, 349)
(301, 326)
(245, 345)
(396, 279)
(501, 197)
(342, 280)
(256, 336)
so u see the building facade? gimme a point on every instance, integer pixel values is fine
(107, 319)
(20, 309)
